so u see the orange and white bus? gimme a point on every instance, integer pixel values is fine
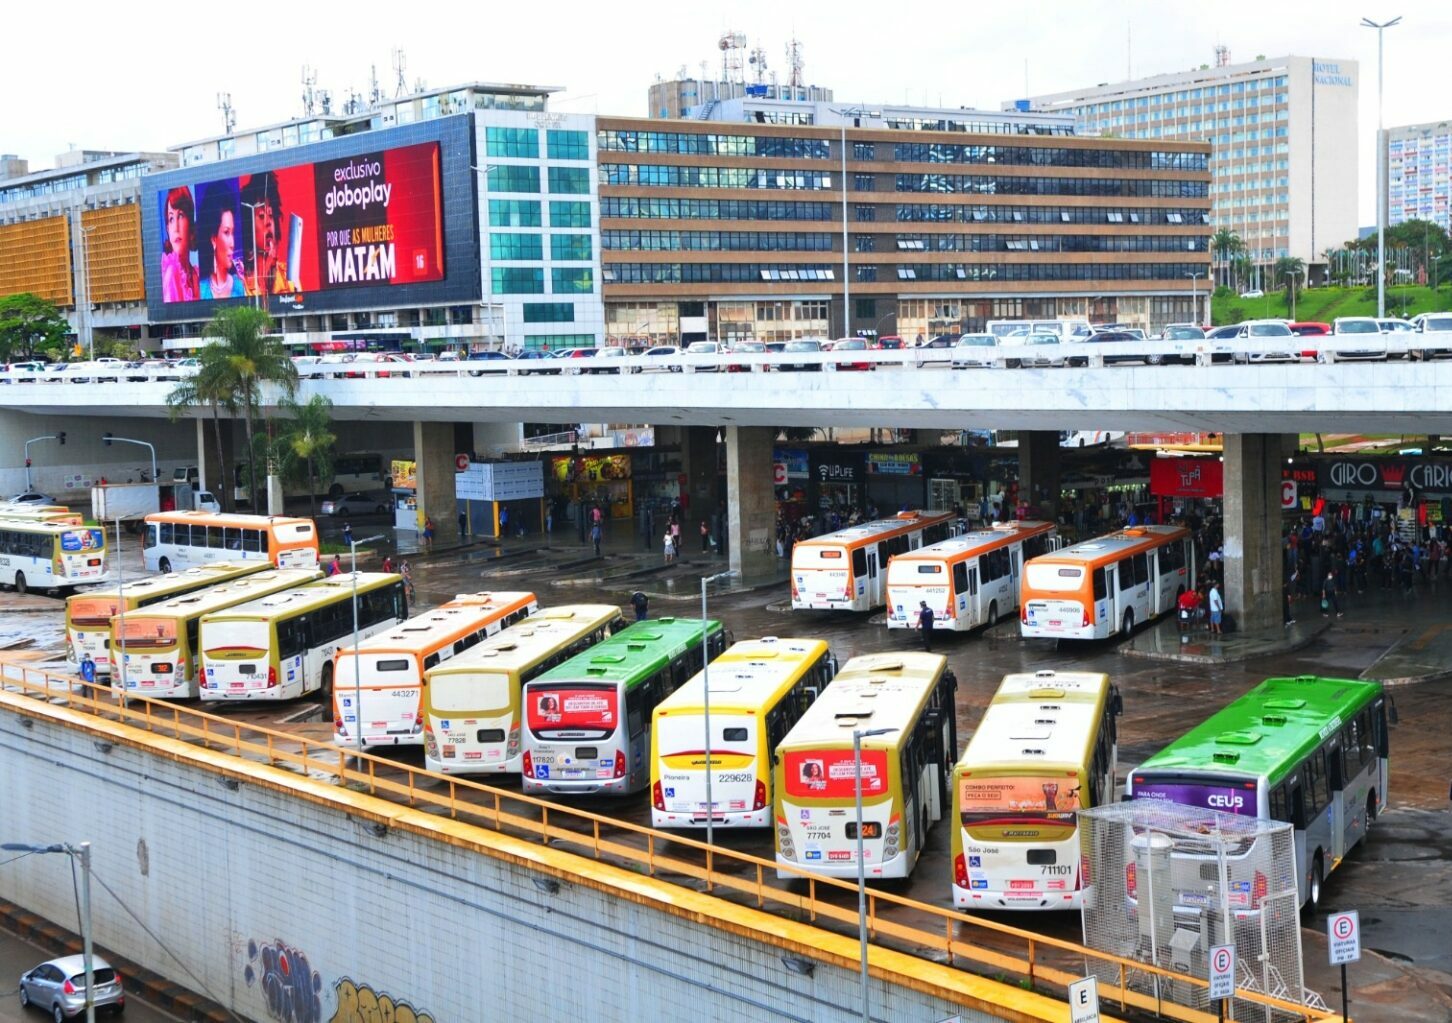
(180, 539)
(847, 570)
(968, 580)
(378, 686)
(1107, 585)
(54, 513)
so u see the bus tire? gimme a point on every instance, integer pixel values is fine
(1313, 891)
(164, 566)
(326, 689)
(992, 620)
(20, 586)
(1127, 625)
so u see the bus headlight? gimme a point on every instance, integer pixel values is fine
(889, 845)
(431, 744)
(511, 750)
(784, 841)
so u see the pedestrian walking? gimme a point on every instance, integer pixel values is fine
(407, 573)
(925, 624)
(641, 603)
(348, 534)
(88, 668)
(428, 532)
(549, 519)
(503, 521)
(1217, 608)
(595, 536)
(676, 536)
(463, 525)
(1330, 601)
(705, 537)
(670, 547)
(388, 562)
(336, 568)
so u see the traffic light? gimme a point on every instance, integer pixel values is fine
(106, 439)
(61, 436)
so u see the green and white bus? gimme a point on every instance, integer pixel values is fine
(587, 722)
(281, 646)
(1311, 752)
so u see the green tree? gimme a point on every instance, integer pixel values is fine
(253, 358)
(211, 385)
(28, 323)
(1225, 245)
(305, 443)
(1290, 271)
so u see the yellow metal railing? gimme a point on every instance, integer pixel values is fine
(986, 946)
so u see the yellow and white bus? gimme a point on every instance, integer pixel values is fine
(378, 698)
(59, 514)
(281, 646)
(967, 581)
(1045, 749)
(760, 688)
(846, 570)
(50, 556)
(905, 771)
(89, 614)
(177, 539)
(472, 702)
(161, 642)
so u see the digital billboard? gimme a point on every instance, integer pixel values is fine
(371, 219)
(379, 219)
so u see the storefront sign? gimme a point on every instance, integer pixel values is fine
(795, 462)
(1187, 477)
(1384, 478)
(892, 463)
(831, 467)
(590, 468)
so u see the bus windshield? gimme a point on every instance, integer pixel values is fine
(1053, 578)
(476, 691)
(93, 610)
(570, 707)
(148, 632)
(241, 637)
(984, 800)
(830, 774)
(1227, 795)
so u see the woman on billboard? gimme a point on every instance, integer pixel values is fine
(220, 268)
(178, 273)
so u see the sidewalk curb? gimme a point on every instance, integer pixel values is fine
(160, 991)
(1284, 646)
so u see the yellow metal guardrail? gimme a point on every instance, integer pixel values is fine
(985, 946)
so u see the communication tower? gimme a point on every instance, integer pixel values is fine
(732, 45)
(757, 60)
(1222, 55)
(229, 113)
(400, 73)
(309, 96)
(794, 63)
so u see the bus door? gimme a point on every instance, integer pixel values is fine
(1107, 604)
(1343, 809)
(874, 580)
(1015, 568)
(975, 610)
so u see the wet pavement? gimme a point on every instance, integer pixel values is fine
(1400, 880)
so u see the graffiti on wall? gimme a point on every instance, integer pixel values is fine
(359, 1003)
(290, 986)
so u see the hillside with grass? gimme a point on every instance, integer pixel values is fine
(1325, 304)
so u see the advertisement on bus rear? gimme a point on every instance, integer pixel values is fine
(1236, 799)
(995, 800)
(82, 540)
(148, 632)
(581, 709)
(831, 774)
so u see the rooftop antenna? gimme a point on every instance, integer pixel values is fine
(375, 93)
(309, 96)
(325, 100)
(1222, 55)
(757, 60)
(1128, 50)
(731, 44)
(229, 113)
(682, 73)
(794, 63)
(400, 73)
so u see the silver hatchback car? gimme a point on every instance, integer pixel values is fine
(58, 987)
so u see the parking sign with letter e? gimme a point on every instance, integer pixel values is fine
(1084, 1001)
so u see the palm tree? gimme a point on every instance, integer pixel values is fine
(211, 385)
(253, 358)
(1291, 270)
(307, 441)
(1225, 244)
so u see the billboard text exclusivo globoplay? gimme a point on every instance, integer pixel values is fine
(368, 220)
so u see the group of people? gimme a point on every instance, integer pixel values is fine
(1339, 551)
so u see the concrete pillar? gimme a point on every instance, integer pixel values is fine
(1038, 471)
(433, 451)
(698, 463)
(751, 502)
(1253, 564)
(208, 471)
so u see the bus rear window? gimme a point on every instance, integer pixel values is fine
(1228, 796)
(145, 632)
(812, 556)
(830, 774)
(984, 800)
(573, 707)
(93, 610)
(1053, 578)
(82, 540)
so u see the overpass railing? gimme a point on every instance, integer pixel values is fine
(980, 945)
(1009, 353)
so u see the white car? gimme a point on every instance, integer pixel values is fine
(1434, 323)
(975, 350)
(1364, 329)
(668, 356)
(1253, 293)
(1265, 329)
(1048, 351)
(703, 348)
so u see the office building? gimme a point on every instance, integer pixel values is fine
(1417, 158)
(1284, 136)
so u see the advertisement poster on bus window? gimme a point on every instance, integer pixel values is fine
(570, 709)
(1049, 798)
(830, 774)
(148, 631)
(1225, 798)
(82, 540)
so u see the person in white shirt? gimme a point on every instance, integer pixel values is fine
(1217, 608)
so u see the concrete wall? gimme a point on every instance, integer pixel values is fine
(84, 458)
(232, 864)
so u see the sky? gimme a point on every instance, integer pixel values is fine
(145, 75)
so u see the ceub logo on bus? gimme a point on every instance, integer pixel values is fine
(1217, 802)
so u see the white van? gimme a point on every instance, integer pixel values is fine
(1064, 330)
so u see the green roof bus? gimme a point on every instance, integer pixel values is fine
(575, 741)
(1311, 752)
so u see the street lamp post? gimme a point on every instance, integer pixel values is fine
(49, 436)
(358, 661)
(1380, 168)
(488, 258)
(706, 580)
(80, 852)
(1195, 276)
(118, 658)
(858, 735)
(108, 438)
(1291, 284)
